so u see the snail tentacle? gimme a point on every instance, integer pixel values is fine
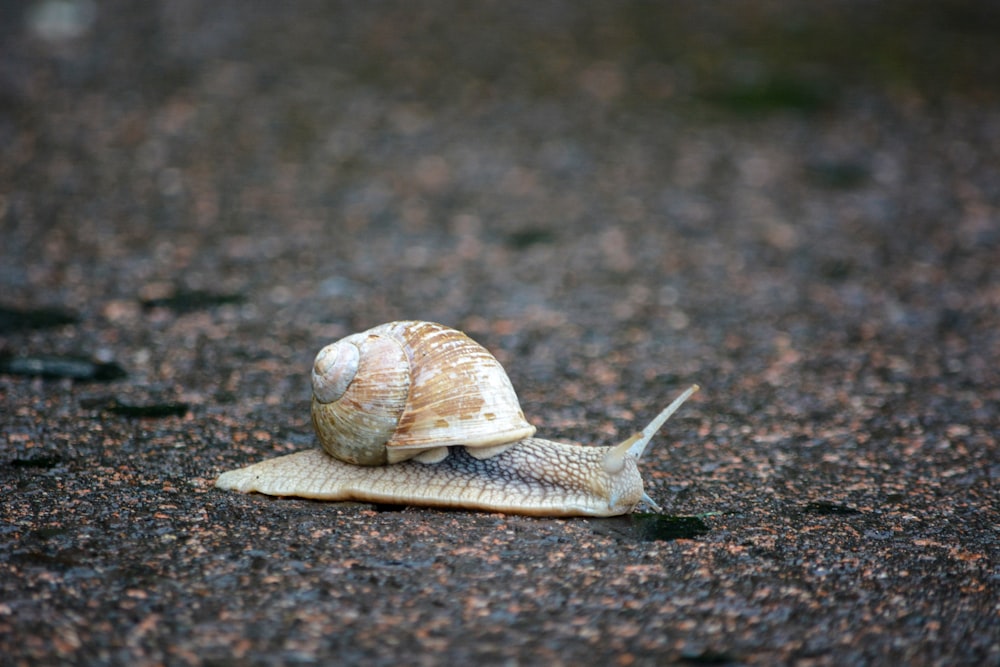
(635, 446)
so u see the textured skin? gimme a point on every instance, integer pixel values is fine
(534, 477)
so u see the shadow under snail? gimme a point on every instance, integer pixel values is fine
(417, 413)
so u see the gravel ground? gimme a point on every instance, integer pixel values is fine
(795, 206)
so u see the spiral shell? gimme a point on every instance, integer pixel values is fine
(411, 389)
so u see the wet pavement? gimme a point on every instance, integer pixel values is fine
(797, 208)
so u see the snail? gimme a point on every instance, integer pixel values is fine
(417, 413)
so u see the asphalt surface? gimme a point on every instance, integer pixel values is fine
(795, 206)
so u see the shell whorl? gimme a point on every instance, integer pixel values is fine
(335, 368)
(367, 378)
(404, 389)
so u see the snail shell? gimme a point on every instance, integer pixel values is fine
(410, 390)
(417, 413)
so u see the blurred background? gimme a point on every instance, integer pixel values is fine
(611, 195)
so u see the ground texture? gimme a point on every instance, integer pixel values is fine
(796, 206)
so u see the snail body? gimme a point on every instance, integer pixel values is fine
(417, 413)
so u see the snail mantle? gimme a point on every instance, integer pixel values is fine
(417, 413)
